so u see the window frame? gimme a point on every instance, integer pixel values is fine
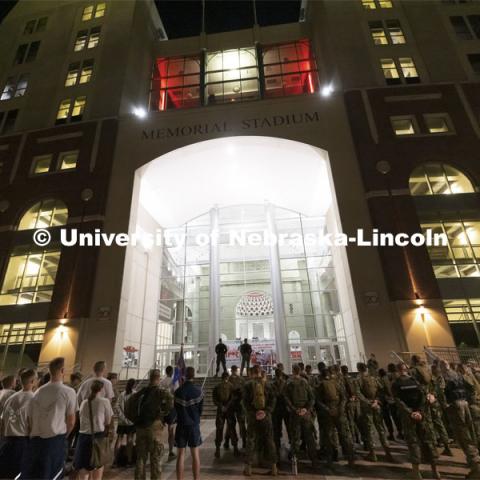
(38, 158)
(400, 70)
(440, 115)
(413, 122)
(73, 103)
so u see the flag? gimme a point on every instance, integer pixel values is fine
(179, 373)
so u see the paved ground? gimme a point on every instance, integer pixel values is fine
(230, 467)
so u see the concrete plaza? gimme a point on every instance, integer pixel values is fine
(231, 467)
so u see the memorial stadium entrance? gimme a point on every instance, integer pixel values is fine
(229, 248)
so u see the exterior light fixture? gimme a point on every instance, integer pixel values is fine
(139, 112)
(326, 90)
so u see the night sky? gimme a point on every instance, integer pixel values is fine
(182, 18)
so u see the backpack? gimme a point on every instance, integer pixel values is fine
(224, 391)
(258, 395)
(330, 391)
(298, 390)
(142, 408)
(369, 387)
(409, 392)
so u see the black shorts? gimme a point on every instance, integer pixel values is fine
(125, 429)
(171, 418)
(188, 436)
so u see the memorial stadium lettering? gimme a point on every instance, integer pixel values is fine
(226, 127)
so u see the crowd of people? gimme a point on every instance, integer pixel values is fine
(50, 429)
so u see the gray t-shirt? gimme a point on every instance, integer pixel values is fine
(48, 409)
(15, 415)
(102, 415)
(84, 390)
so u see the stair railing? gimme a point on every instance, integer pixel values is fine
(210, 365)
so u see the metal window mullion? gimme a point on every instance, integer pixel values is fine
(203, 61)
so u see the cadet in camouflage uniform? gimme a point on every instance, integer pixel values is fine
(300, 404)
(259, 403)
(280, 413)
(237, 407)
(223, 398)
(473, 397)
(352, 407)
(330, 400)
(156, 404)
(459, 417)
(392, 375)
(411, 401)
(437, 411)
(370, 412)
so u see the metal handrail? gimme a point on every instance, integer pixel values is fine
(210, 364)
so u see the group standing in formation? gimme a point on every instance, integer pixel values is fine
(49, 429)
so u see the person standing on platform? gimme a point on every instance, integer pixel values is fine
(221, 353)
(259, 403)
(189, 407)
(246, 353)
(411, 400)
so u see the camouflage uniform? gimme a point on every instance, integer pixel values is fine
(371, 417)
(148, 438)
(460, 419)
(299, 395)
(222, 396)
(280, 413)
(330, 400)
(258, 395)
(437, 412)
(237, 407)
(352, 407)
(473, 397)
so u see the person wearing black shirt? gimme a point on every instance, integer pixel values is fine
(246, 353)
(221, 352)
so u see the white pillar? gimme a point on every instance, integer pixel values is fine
(214, 283)
(281, 339)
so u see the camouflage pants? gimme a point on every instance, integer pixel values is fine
(371, 419)
(439, 429)
(420, 440)
(353, 417)
(323, 433)
(475, 412)
(337, 423)
(260, 433)
(220, 420)
(149, 445)
(460, 421)
(239, 416)
(302, 428)
(280, 417)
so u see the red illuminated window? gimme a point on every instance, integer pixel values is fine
(175, 83)
(289, 69)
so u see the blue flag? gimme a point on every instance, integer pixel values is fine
(179, 373)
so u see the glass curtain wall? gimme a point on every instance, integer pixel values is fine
(233, 283)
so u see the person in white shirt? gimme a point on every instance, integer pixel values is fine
(99, 370)
(171, 419)
(8, 390)
(14, 427)
(97, 411)
(125, 427)
(51, 417)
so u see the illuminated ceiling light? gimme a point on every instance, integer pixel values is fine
(327, 90)
(139, 112)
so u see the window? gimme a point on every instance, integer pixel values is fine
(405, 125)
(78, 108)
(45, 214)
(8, 89)
(390, 71)
(474, 59)
(373, 4)
(461, 28)
(464, 317)
(32, 52)
(73, 111)
(81, 40)
(438, 123)
(30, 277)
(21, 85)
(175, 83)
(41, 164)
(94, 11)
(405, 67)
(9, 123)
(438, 179)
(231, 76)
(94, 37)
(35, 26)
(68, 160)
(20, 54)
(290, 69)
(79, 72)
(63, 110)
(461, 256)
(474, 21)
(395, 31)
(379, 32)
